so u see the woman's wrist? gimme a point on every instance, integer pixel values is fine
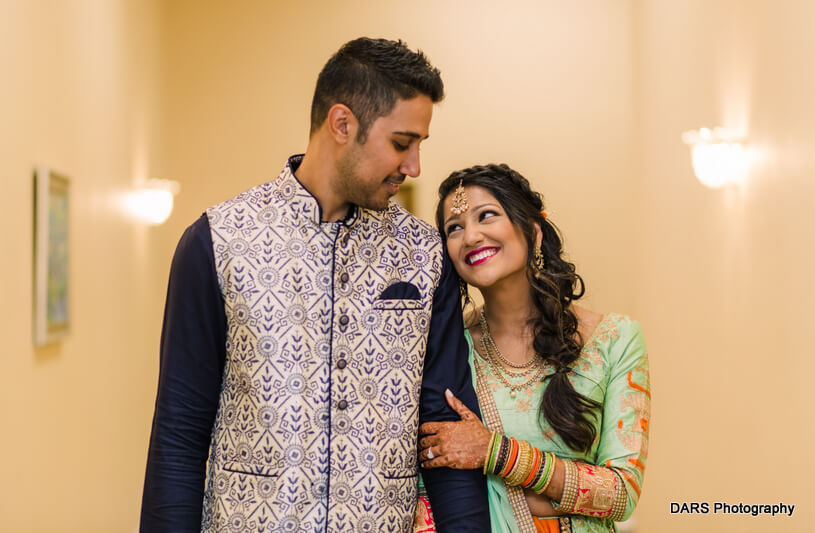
(569, 494)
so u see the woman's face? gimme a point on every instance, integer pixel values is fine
(484, 245)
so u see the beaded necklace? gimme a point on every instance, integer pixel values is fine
(485, 328)
(534, 368)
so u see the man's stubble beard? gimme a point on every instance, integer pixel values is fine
(349, 186)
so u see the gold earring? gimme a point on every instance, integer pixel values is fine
(460, 203)
(538, 261)
(462, 288)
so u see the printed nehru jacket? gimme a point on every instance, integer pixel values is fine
(314, 407)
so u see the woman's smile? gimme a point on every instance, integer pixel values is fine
(481, 255)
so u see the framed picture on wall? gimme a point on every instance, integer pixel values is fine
(51, 291)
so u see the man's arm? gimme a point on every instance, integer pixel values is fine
(458, 497)
(193, 351)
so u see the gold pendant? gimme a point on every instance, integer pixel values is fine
(511, 393)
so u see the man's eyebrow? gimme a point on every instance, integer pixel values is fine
(410, 134)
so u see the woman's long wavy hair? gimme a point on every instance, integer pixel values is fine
(556, 337)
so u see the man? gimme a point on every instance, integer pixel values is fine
(310, 325)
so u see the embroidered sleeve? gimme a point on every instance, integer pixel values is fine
(611, 487)
(623, 446)
(593, 491)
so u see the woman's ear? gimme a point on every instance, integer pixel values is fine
(538, 236)
(342, 123)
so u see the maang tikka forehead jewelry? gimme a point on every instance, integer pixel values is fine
(460, 202)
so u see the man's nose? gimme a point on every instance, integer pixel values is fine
(411, 166)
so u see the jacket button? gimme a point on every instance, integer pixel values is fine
(342, 404)
(342, 363)
(344, 320)
(344, 277)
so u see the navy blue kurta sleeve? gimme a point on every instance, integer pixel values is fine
(458, 497)
(193, 351)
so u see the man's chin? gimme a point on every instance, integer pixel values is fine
(376, 204)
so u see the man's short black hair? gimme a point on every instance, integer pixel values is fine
(369, 76)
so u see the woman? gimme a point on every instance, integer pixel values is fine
(563, 391)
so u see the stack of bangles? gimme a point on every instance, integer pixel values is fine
(519, 463)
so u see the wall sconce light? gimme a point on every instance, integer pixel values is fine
(717, 155)
(153, 201)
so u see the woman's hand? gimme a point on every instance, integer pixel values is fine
(539, 505)
(461, 445)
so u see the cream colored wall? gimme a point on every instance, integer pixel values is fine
(724, 280)
(544, 86)
(79, 92)
(588, 99)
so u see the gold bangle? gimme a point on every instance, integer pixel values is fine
(522, 465)
(508, 476)
(529, 458)
(569, 495)
(526, 467)
(620, 499)
(534, 470)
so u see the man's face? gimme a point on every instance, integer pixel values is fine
(370, 173)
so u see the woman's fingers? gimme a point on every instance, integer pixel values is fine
(430, 428)
(452, 460)
(453, 444)
(433, 457)
(430, 453)
(459, 407)
(427, 442)
(435, 428)
(436, 462)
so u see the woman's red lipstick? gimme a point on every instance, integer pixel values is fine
(479, 255)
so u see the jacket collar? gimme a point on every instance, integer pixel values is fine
(302, 205)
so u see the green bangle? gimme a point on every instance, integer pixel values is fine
(541, 475)
(548, 475)
(489, 461)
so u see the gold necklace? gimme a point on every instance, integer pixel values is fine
(535, 377)
(494, 357)
(485, 334)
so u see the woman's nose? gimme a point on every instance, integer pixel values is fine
(472, 235)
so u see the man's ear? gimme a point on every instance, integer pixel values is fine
(342, 123)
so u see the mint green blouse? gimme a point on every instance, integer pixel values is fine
(612, 369)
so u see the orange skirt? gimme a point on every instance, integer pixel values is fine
(546, 525)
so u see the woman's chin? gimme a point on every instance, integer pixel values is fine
(479, 283)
